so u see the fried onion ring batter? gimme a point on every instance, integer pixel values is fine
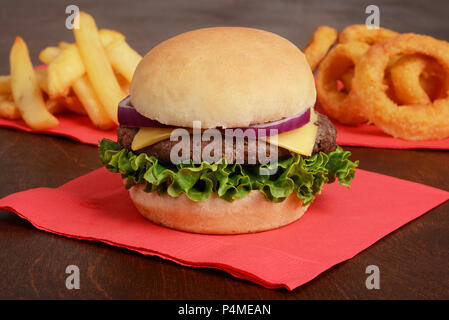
(415, 80)
(407, 122)
(322, 40)
(361, 33)
(340, 105)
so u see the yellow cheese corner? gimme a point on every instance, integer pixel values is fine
(300, 140)
(147, 136)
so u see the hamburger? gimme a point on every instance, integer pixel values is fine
(231, 80)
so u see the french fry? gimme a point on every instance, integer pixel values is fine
(95, 110)
(123, 58)
(42, 79)
(64, 70)
(55, 106)
(98, 67)
(8, 108)
(49, 54)
(124, 84)
(25, 89)
(63, 45)
(108, 35)
(5, 85)
(5, 82)
(73, 104)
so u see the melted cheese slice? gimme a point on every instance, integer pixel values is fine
(299, 141)
(147, 136)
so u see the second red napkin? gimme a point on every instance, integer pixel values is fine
(366, 135)
(78, 128)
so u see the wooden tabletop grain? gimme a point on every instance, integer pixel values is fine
(413, 260)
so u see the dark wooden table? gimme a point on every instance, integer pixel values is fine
(413, 260)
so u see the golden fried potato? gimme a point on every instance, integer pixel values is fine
(42, 79)
(55, 106)
(107, 36)
(49, 54)
(98, 67)
(64, 70)
(8, 109)
(123, 58)
(95, 110)
(73, 104)
(26, 91)
(5, 85)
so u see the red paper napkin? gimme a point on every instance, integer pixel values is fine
(337, 226)
(366, 135)
(78, 128)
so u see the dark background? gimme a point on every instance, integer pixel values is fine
(413, 260)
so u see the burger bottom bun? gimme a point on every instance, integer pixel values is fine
(215, 215)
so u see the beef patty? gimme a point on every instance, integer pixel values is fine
(325, 142)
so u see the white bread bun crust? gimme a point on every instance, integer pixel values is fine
(249, 214)
(224, 77)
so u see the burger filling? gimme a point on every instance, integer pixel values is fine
(229, 179)
(325, 142)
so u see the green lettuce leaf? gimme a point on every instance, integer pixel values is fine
(303, 175)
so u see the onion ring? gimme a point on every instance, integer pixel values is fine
(338, 104)
(346, 79)
(322, 40)
(407, 122)
(415, 80)
(361, 33)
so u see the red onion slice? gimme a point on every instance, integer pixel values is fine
(274, 128)
(129, 117)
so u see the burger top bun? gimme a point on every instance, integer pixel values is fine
(224, 77)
